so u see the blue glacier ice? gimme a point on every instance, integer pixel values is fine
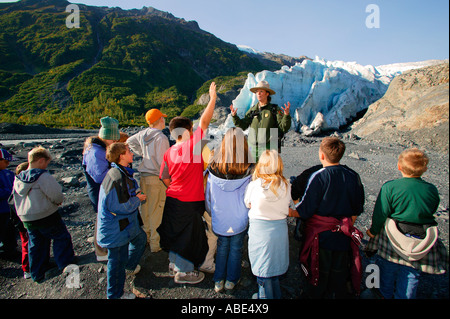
(323, 94)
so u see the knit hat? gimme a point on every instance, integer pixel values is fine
(4, 155)
(410, 248)
(109, 129)
(153, 115)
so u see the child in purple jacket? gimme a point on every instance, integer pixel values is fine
(7, 236)
(96, 166)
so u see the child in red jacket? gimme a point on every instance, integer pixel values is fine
(21, 228)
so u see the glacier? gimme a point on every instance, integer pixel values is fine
(324, 95)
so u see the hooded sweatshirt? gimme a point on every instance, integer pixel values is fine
(224, 200)
(37, 194)
(264, 204)
(151, 144)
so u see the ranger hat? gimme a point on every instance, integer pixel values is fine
(263, 85)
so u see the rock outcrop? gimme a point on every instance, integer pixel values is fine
(413, 112)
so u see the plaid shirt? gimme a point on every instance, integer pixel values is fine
(435, 262)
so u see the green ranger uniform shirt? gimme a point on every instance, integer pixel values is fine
(261, 120)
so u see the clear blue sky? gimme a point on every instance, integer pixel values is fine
(409, 30)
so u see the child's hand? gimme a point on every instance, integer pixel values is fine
(370, 234)
(141, 196)
(293, 213)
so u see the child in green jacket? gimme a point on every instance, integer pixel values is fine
(404, 230)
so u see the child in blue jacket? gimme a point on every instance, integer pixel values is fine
(230, 172)
(119, 229)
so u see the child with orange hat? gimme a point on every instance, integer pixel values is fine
(151, 144)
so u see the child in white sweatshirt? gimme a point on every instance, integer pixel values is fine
(268, 197)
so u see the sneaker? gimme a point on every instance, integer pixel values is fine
(172, 270)
(209, 269)
(218, 286)
(128, 295)
(192, 277)
(26, 275)
(102, 258)
(133, 272)
(229, 285)
(255, 295)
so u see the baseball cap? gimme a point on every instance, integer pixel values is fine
(152, 115)
(5, 155)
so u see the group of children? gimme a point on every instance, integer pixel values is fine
(237, 198)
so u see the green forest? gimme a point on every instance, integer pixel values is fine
(118, 63)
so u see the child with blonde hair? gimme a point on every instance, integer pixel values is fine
(268, 197)
(404, 231)
(37, 196)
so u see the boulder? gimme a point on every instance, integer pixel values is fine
(413, 112)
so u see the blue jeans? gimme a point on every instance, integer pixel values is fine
(39, 248)
(228, 257)
(121, 258)
(181, 264)
(269, 288)
(398, 281)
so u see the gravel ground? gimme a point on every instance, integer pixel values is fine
(376, 164)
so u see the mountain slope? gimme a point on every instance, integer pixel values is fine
(119, 62)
